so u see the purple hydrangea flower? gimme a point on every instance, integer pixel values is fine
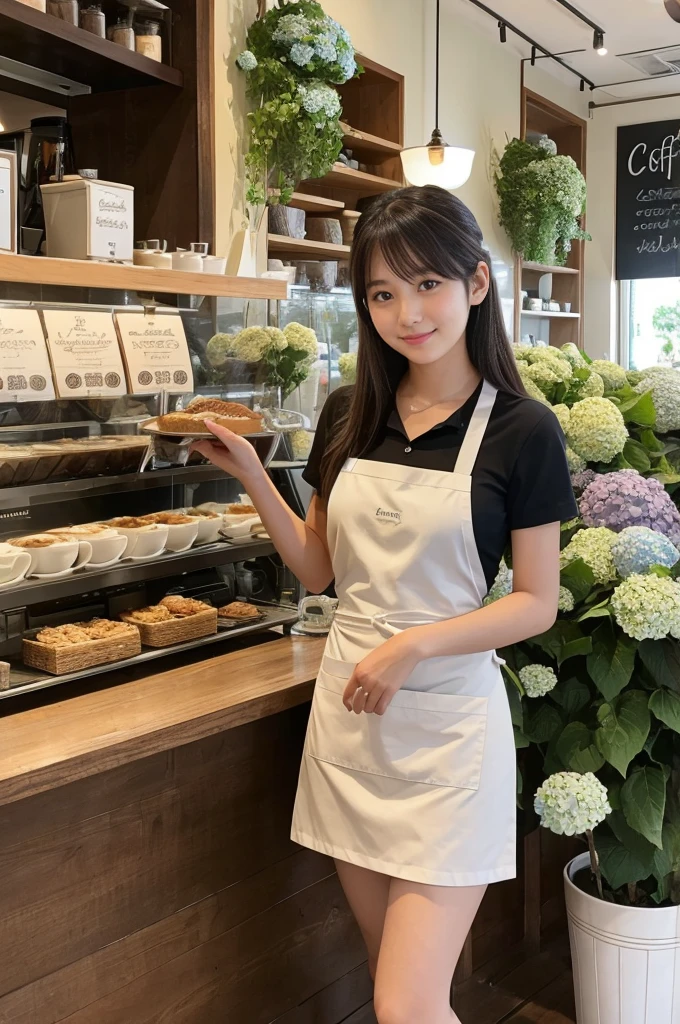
(626, 498)
(580, 481)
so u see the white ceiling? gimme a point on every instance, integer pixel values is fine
(629, 25)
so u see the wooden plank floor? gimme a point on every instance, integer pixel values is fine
(510, 989)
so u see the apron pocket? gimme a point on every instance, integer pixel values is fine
(436, 739)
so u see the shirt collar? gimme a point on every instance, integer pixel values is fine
(458, 420)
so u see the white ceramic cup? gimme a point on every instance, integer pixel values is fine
(143, 541)
(192, 262)
(14, 564)
(57, 555)
(214, 264)
(108, 546)
(181, 536)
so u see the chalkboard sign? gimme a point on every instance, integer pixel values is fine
(648, 200)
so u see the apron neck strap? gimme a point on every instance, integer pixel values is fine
(474, 434)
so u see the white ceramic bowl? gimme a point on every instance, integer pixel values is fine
(14, 563)
(56, 556)
(182, 536)
(208, 528)
(143, 541)
(239, 526)
(108, 546)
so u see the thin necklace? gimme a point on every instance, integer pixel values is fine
(423, 408)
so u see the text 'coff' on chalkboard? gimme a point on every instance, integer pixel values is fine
(648, 200)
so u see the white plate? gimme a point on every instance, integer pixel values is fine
(54, 575)
(143, 558)
(103, 565)
(12, 583)
(151, 427)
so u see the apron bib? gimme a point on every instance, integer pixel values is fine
(425, 792)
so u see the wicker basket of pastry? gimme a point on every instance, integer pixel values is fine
(80, 645)
(174, 620)
(190, 422)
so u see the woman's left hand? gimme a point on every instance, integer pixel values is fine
(380, 674)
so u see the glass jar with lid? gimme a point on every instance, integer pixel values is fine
(148, 40)
(122, 33)
(92, 19)
(66, 10)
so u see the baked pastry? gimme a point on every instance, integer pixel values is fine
(183, 606)
(238, 610)
(153, 613)
(35, 542)
(241, 510)
(82, 632)
(168, 518)
(130, 522)
(203, 513)
(192, 423)
(220, 407)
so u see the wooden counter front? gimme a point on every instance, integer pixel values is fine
(51, 746)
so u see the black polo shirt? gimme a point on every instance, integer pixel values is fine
(520, 479)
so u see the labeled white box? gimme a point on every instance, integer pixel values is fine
(89, 220)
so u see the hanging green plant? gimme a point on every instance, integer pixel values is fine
(296, 55)
(542, 197)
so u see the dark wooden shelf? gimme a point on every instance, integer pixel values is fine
(46, 42)
(342, 177)
(370, 146)
(305, 248)
(542, 268)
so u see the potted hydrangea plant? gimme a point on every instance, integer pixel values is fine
(599, 693)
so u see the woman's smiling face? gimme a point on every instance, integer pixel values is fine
(423, 319)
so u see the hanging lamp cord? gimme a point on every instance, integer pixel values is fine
(436, 86)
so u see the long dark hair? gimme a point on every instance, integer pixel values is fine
(418, 231)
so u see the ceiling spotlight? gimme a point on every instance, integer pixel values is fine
(582, 86)
(504, 31)
(598, 43)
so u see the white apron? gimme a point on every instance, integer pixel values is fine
(425, 792)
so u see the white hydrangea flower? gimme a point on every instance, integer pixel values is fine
(570, 804)
(547, 144)
(573, 354)
(247, 61)
(637, 548)
(613, 375)
(594, 546)
(532, 389)
(290, 29)
(537, 680)
(575, 462)
(562, 413)
(665, 388)
(347, 365)
(565, 602)
(596, 431)
(301, 443)
(317, 96)
(302, 339)
(647, 607)
(501, 586)
(593, 387)
(543, 376)
(253, 343)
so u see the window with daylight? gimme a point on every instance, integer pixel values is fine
(650, 311)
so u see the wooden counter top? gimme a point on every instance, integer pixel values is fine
(46, 747)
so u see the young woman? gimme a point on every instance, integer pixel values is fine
(422, 473)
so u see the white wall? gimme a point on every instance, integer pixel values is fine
(601, 291)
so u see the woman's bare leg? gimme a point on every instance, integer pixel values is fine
(423, 936)
(367, 894)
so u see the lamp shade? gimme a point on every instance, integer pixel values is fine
(443, 165)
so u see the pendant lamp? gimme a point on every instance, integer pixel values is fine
(437, 163)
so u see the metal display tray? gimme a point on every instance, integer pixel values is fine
(24, 680)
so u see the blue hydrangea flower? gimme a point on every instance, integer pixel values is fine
(317, 97)
(301, 54)
(637, 549)
(325, 49)
(247, 61)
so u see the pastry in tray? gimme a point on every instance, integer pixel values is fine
(174, 620)
(239, 610)
(236, 417)
(80, 645)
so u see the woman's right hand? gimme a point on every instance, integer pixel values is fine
(234, 454)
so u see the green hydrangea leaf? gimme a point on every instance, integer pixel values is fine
(624, 727)
(521, 740)
(579, 578)
(651, 441)
(643, 801)
(618, 865)
(641, 848)
(639, 410)
(576, 749)
(572, 696)
(636, 455)
(661, 658)
(543, 724)
(610, 664)
(514, 699)
(666, 707)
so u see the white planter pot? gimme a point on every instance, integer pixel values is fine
(626, 960)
